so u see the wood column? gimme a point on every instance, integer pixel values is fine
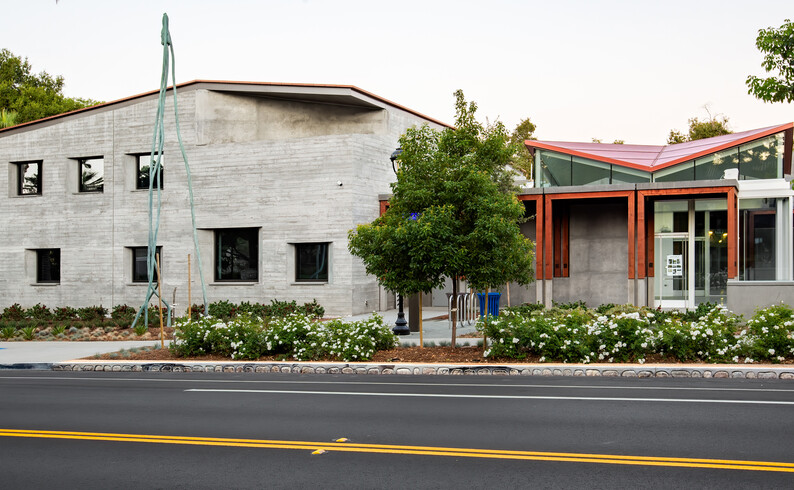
(641, 261)
(548, 237)
(733, 235)
(632, 221)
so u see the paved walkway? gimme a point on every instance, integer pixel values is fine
(35, 352)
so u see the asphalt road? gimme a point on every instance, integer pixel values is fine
(199, 430)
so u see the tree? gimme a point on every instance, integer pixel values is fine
(778, 44)
(450, 215)
(713, 126)
(522, 159)
(616, 142)
(30, 97)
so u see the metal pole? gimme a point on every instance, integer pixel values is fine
(160, 301)
(189, 301)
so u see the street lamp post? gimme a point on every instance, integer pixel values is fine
(401, 325)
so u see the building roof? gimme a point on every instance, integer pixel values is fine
(306, 92)
(655, 157)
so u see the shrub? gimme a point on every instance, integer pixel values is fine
(29, 333)
(39, 312)
(58, 329)
(8, 332)
(222, 309)
(769, 334)
(526, 308)
(246, 337)
(14, 312)
(123, 313)
(90, 313)
(64, 313)
(711, 337)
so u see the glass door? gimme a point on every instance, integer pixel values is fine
(672, 276)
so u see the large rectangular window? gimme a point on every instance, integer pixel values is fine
(757, 239)
(92, 174)
(142, 171)
(554, 169)
(140, 270)
(762, 159)
(713, 167)
(48, 265)
(683, 172)
(237, 254)
(589, 172)
(311, 262)
(28, 178)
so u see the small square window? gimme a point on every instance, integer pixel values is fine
(237, 254)
(92, 174)
(48, 265)
(29, 178)
(142, 171)
(140, 271)
(311, 262)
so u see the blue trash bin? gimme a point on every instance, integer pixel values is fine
(493, 303)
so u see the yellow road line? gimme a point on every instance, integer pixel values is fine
(411, 450)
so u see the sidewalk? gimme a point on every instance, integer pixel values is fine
(38, 352)
(435, 329)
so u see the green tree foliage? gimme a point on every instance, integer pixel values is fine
(26, 97)
(522, 160)
(713, 126)
(778, 44)
(450, 214)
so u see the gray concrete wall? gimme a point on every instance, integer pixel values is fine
(598, 256)
(261, 163)
(744, 297)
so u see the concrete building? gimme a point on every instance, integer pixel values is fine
(280, 173)
(664, 226)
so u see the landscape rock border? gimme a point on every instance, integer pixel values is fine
(624, 370)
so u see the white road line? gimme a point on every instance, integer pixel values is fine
(499, 397)
(383, 383)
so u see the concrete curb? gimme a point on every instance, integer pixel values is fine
(622, 370)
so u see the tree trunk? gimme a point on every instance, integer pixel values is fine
(454, 309)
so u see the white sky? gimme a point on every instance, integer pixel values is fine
(628, 70)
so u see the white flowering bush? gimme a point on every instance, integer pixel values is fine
(769, 334)
(626, 333)
(711, 337)
(296, 336)
(577, 335)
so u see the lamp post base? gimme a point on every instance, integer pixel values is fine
(401, 325)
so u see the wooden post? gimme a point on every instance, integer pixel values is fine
(484, 338)
(160, 301)
(189, 301)
(508, 295)
(421, 326)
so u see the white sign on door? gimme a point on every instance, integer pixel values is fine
(675, 265)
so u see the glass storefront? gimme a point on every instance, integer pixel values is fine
(691, 252)
(757, 239)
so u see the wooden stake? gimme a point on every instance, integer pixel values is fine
(189, 301)
(508, 295)
(421, 327)
(484, 338)
(160, 301)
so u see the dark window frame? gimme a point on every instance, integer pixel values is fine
(252, 258)
(51, 253)
(81, 187)
(139, 180)
(21, 178)
(145, 250)
(322, 273)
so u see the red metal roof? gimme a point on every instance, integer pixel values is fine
(655, 157)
